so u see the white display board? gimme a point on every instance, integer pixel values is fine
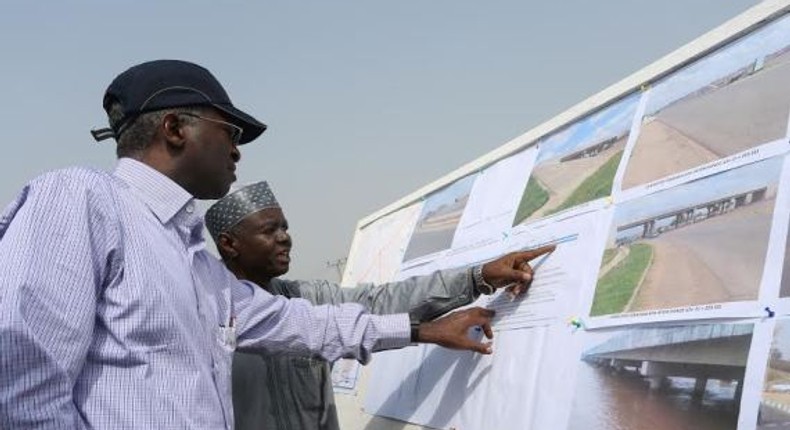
(664, 305)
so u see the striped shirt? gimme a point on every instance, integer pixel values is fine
(113, 314)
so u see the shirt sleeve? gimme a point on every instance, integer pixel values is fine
(275, 324)
(54, 242)
(423, 297)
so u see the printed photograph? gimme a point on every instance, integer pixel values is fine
(728, 102)
(578, 164)
(775, 403)
(440, 215)
(699, 243)
(685, 377)
(784, 289)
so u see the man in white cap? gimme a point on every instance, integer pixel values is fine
(279, 392)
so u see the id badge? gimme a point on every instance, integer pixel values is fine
(228, 336)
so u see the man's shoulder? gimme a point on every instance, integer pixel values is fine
(61, 192)
(75, 185)
(75, 175)
(78, 179)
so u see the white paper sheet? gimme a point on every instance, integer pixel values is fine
(514, 388)
(378, 255)
(494, 199)
(560, 277)
(444, 388)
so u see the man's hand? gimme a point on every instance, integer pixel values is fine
(513, 270)
(452, 331)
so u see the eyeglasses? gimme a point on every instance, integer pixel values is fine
(234, 130)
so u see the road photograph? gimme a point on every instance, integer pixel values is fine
(577, 164)
(698, 243)
(440, 216)
(724, 104)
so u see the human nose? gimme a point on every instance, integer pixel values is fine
(283, 236)
(235, 154)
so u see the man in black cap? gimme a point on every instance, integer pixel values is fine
(279, 392)
(113, 314)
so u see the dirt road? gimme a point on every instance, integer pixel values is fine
(717, 260)
(746, 113)
(561, 179)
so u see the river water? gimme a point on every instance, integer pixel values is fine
(610, 401)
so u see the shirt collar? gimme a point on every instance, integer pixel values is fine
(161, 194)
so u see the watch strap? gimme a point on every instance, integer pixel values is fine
(480, 283)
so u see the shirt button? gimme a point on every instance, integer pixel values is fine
(190, 208)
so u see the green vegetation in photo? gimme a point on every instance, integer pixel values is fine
(534, 197)
(597, 185)
(616, 287)
(608, 255)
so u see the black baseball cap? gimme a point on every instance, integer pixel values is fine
(165, 84)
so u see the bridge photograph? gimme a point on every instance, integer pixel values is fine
(699, 243)
(726, 103)
(685, 377)
(578, 164)
(439, 218)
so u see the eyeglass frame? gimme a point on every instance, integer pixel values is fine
(237, 132)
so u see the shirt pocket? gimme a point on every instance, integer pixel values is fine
(223, 348)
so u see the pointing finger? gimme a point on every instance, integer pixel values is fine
(534, 253)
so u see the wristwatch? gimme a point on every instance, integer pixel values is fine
(415, 332)
(480, 283)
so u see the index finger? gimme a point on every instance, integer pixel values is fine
(537, 252)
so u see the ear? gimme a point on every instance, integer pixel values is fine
(172, 128)
(226, 244)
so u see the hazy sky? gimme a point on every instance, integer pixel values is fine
(365, 101)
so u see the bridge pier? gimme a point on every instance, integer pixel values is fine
(657, 375)
(699, 388)
(739, 392)
(648, 229)
(658, 383)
